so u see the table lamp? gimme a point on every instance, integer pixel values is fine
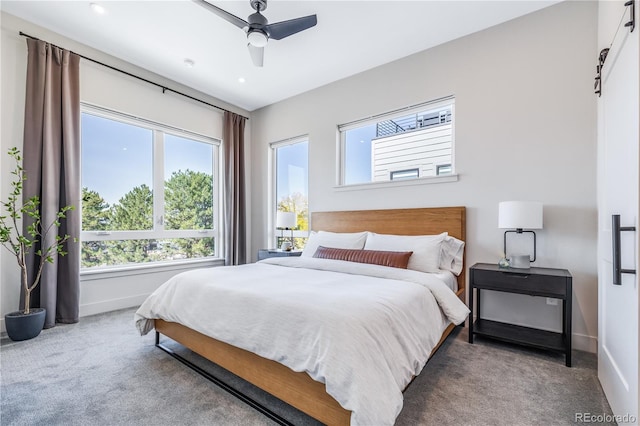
(286, 220)
(516, 216)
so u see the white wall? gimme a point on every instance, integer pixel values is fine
(104, 87)
(525, 130)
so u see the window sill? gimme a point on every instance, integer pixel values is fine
(396, 183)
(147, 268)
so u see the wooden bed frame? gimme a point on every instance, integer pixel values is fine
(299, 389)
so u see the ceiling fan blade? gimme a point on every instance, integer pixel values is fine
(257, 54)
(240, 23)
(280, 30)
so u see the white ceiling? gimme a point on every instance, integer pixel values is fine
(351, 37)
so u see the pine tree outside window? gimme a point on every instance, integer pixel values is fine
(149, 192)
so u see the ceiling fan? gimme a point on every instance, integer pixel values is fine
(258, 29)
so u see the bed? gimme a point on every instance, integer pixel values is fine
(298, 388)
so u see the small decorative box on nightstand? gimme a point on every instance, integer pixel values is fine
(543, 282)
(267, 253)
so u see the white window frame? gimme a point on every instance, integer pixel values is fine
(158, 231)
(341, 130)
(274, 233)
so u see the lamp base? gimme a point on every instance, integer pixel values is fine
(520, 262)
(286, 246)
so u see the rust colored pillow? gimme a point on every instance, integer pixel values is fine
(393, 259)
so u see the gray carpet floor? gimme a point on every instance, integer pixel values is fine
(101, 372)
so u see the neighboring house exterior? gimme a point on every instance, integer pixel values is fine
(411, 147)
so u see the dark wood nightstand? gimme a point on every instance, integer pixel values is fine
(267, 253)
(543, 282)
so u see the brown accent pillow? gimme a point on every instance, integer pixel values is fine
(393, 259)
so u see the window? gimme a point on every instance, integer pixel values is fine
(291, 187)
(405, 174)
(443, 169)
(149, 192)
(407, 144)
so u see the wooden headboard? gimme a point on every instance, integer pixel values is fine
(421, 221)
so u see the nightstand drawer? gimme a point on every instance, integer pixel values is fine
(521, 282)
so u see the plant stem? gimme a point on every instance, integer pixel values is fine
(27, 290)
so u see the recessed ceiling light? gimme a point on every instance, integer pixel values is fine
(189, 63)
(241, 80)
(100, 10)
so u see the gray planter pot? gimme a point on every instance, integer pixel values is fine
(21, 326)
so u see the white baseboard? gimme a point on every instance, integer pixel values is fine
(579, 342)
(101, 307)
(112, 305)
(582, 342)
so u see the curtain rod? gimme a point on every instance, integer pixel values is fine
(164, 88)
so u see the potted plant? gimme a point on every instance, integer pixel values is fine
(28, 322)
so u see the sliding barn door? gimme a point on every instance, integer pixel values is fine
(618, 140)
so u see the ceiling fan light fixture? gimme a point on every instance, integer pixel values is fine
(258, 29)
(257, 38)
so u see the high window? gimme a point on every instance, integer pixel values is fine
(413, 143)
(291, 167)
(149, 192)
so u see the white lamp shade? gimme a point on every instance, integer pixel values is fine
(520, 215)
(286, 220)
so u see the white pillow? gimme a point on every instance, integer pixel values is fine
(425, 248)
(341, 240)
(451, 253)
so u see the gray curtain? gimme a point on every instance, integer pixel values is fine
(52, 164)
(235, 209)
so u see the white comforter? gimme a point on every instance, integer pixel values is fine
(363, 330)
